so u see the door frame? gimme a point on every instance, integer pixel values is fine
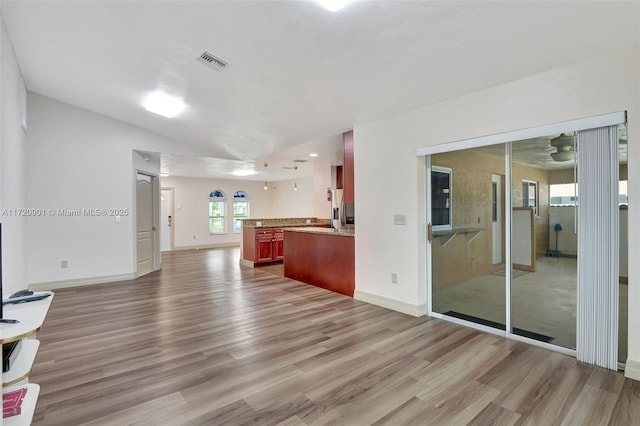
(155, 208)
(173, 216)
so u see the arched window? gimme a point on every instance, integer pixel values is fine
(217, 208)
(240, 210)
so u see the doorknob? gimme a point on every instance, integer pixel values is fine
(429, 233)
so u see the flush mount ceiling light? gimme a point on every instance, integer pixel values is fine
(564, 148)
(313, 154)
(333, 5)
(162, 104)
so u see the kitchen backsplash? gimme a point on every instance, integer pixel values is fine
(292, 221)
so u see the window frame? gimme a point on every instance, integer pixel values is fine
(526, 197)
(214, 198)
(449, 225)
(240, 199)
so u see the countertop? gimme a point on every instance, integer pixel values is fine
(325, 231)
(285, 222)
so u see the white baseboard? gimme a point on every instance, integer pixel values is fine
(632, 369)
(206, 246)
(50, 285)
(247, 263)
(396, 305)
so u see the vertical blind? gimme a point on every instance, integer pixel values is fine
(598, 236)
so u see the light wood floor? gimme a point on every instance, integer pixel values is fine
(206, 342)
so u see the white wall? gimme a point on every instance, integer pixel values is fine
(191, 216)
(389, 179)
(78, 159)
(12, 169)
(289, 203)
(322, 181)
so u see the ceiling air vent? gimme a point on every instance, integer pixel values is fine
(300, 161)
(211, 61)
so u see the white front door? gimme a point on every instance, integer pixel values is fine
(166, 219)
(496, 225)
(145, 231)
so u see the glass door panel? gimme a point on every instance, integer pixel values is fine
(467, 249)
(624, 248)
(544, 242)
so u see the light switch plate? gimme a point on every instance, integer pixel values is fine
(399, 219)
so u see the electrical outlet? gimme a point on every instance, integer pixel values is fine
(399, 219)
(394, 278)
(308, 221)
(64, 264)
(258, 223)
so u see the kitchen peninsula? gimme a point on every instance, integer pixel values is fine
(263, 239)
(324, 257)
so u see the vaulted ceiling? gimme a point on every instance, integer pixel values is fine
(296, 73)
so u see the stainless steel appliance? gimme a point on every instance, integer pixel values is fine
(337, 208)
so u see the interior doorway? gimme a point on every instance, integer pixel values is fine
(166, 219)
(146, 239)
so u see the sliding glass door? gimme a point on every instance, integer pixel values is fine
(506, 236)
(544, 241)
(468, 229)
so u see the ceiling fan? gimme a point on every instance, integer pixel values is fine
(564, 145)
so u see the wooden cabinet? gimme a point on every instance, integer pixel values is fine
(348, 177)
(262, 245)
(31, 316)
(322, 259)
(278, 244)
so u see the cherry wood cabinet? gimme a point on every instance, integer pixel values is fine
(348, 168)
(262, 245)
(322, 259)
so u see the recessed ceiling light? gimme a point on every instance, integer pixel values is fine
(313, 154)
(333, 5)
(243, 172)
(164, 175)
(162, 104)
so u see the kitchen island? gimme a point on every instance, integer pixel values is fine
(324, 257)
(263, 239)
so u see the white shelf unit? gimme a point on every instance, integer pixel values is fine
(31, 316)
(22, 367)
(28, 406)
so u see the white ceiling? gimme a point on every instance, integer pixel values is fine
(296, 73)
